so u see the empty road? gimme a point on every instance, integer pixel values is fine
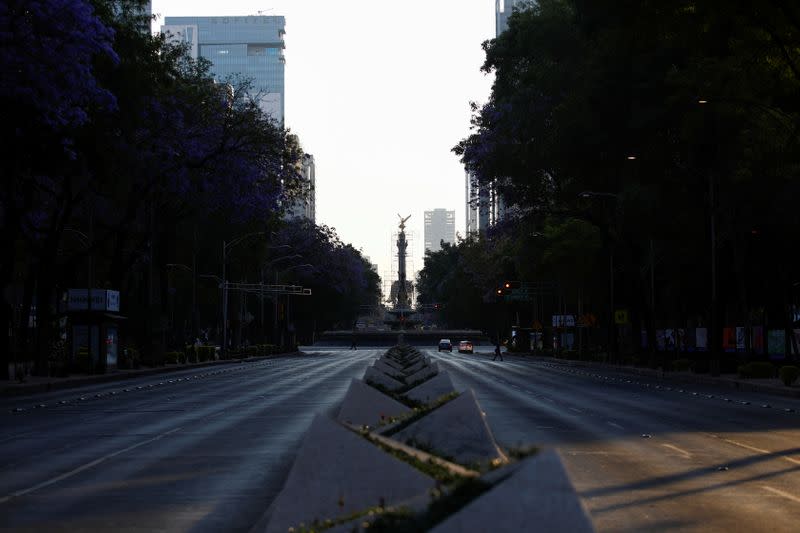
(647, 454)
(207, 449)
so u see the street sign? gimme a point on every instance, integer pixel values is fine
(101, 300)
(621, 317)
(563, 321)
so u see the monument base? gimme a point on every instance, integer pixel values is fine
(401, 319)
(427, 338)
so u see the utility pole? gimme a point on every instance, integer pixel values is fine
(712, 338)
(224, 348)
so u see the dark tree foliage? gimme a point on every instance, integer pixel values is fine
(341, 280)
(680, 113)
(127, 167)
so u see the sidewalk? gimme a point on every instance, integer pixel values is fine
(767, 386)
(38, 384)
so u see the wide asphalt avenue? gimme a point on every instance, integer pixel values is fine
(207, 449)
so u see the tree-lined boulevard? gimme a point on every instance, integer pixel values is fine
(208, 449)
(630, 237)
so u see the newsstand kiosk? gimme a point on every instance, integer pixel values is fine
(94, 326)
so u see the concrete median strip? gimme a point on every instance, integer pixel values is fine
(442, 454)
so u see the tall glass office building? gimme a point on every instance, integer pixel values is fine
(250, 46)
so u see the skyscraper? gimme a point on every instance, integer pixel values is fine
(471, 199)
(250, 47)
(305, 204)
(502, 10)
(440, 225)
(484, 202)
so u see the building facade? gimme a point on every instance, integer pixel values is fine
(305, 204)
(249, 47)
(484, 203)
(440, 225)
(502, 10)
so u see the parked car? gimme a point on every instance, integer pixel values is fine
(445, 344)
(465, 347)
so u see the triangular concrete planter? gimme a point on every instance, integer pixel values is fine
(423, 374)
(538, 496)
(376, 376)
(366, 406)
(388, 370)
(337, 473)
(432, 389)
(458, 430)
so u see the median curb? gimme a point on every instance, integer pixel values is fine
(26, 389)
(734, 383)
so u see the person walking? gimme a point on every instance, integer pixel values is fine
(497, 352)
(353, 345)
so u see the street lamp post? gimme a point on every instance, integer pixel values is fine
(611, 325)
(263, 269)
(225, 246)
(194, 295)
(275, 323)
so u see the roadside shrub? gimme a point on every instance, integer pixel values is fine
(190, 353)
(701, 366)
(681, 365)
(756, 370)
(205, 353)
(173, 358)
(789, 375)
(83, 362)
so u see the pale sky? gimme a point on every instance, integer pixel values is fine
(379, 93)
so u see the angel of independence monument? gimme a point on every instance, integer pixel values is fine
(401, 316)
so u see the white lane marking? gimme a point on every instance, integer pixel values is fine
(759, 450)
(575, 410)
(613, 424)
(781, 493)
(81, 468)
(684, 453)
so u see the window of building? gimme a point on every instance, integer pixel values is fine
(256, 50)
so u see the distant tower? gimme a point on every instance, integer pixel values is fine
(440, 225)
(484, 203)
(402, 246)
(401, 316)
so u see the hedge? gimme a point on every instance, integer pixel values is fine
(789, 375)
(681, 365)
(757, 369)
(173, 358)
